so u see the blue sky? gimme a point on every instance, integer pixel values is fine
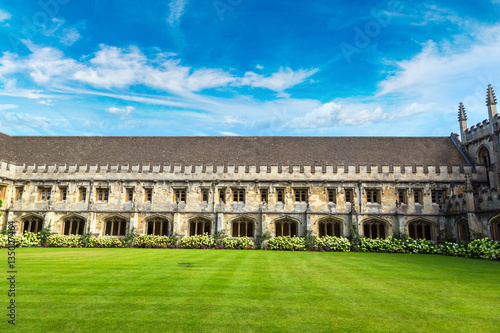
(241, 67)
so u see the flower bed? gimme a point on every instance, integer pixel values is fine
(479, 248)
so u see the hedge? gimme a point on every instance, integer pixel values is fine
(479, 248)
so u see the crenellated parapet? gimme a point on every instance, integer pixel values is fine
(480, 130)
(237, 172)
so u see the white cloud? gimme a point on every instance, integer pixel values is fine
(129, 75)
(283, 79)
(208, 78)
(435, 14)
(50, 29)
(327, 115)
(4, 16)
(229, 134)
(26, 123)
(176, 11)
(47, 102)
(259, 67)
(437, 69)
(232, 120)
(69, 36)
(8, 106)
(412, 110)
(333, 114)
(113, 67)
(121, 112)
(283, 94)
(43, 65)
(363, 117)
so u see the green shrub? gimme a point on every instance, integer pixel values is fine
(390, 245)
(153, 241)
(27, 239)
(84, 239)
(329, 243)
(110, 242)
(204, 241)
(484, 249)
(91, 242)
(64, 241)
(421, 246)
(130, 237)
(174, 239)
(4, 239)
(44, 234)
(287, 243)
(238, 243)
(479, 248)
(220, 236)
(265, 236)
(449, 249)
(309, 239)
(356, 238)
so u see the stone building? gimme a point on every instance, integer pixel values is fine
(426, 187)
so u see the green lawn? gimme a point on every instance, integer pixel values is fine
(146, 290)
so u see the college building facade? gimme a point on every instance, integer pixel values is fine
(437, 188)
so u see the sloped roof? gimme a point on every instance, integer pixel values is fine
(258, 151)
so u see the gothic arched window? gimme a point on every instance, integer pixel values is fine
(200, 226)
(115, 226)
(157, 226)
(242, 228)
(32, 224)
(286, 227)
(483, 156)
(330, 227)
(74, 225)
(420, 230)
(495, 230)
(374, 229)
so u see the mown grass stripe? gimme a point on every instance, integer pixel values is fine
(134, 290)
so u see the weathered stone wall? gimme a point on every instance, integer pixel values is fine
(317, 181)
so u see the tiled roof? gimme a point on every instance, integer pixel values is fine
(258, 151)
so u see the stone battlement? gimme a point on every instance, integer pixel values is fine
(242, 172)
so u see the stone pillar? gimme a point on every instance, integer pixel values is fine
(93, 223)
(49, 219)
(176, 220)
(441, 226)
(220, 220)
(308, 218)
(134, 220)
(354, 220)
(475, 226)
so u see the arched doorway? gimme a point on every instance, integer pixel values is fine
(463, 234)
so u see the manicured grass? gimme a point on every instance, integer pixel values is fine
(146, 290)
